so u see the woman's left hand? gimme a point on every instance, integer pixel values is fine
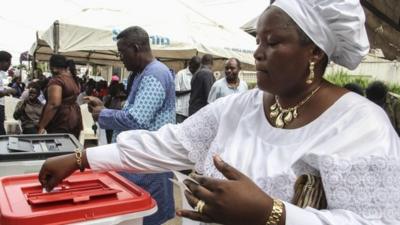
(236, 200)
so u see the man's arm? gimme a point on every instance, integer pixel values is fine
(138, 115)
(7, 91)
(208, 81)
(19, 110)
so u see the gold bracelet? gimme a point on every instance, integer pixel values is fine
(276, 213)
(78, 156)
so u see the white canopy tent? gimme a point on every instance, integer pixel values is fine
(177, 30)
(250, 27)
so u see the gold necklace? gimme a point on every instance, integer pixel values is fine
(285, 116)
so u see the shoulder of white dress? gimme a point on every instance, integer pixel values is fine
(369, 108)
(357, 105)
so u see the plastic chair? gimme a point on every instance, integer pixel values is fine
(87, 133)
(9, 107)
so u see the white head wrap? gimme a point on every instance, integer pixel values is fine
(335, 26)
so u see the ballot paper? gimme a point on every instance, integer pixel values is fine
(179, 178)
(54, 190)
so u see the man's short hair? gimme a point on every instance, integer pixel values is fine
(195, 60)
(354, 87)
(136, 35)
(237, 62)
(376, 90)
(207, 59)
(5, 56)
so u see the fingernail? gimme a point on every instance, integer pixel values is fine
(186, 192)
(178, 213)
(218, 158)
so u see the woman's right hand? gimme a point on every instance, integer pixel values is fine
(55, 169)
(41, 130)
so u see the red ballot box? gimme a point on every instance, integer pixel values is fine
(83, 198)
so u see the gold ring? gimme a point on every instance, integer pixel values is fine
(199, 206)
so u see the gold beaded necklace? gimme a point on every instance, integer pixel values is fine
(285, 116)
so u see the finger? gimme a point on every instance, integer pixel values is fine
(227, 170)
(52, 181)
(192, 200)
(209, 183)
(194, 216)
(199, 191)
(43, 175)
(90, 108)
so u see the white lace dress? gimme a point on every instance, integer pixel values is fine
(352, 146)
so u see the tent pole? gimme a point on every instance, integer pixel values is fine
(56, 36)
(33, 68)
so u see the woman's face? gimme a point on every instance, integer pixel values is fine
(281, 61)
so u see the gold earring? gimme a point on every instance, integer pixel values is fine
(311, 75)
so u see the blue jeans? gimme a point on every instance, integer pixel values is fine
(161, 189)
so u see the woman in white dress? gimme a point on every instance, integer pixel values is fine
(296, 123)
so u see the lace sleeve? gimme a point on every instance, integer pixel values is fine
(196, 135)
(368, 186)
(172, 147)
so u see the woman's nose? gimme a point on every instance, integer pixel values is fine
(258, 54)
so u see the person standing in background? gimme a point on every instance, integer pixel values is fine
(18, 86)
(378, 93)
(150, 105)
(231, 84)
(61, 114)
(29, 111)
(5, 63)
(201, 84)
(354, 87)
(183, 89)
